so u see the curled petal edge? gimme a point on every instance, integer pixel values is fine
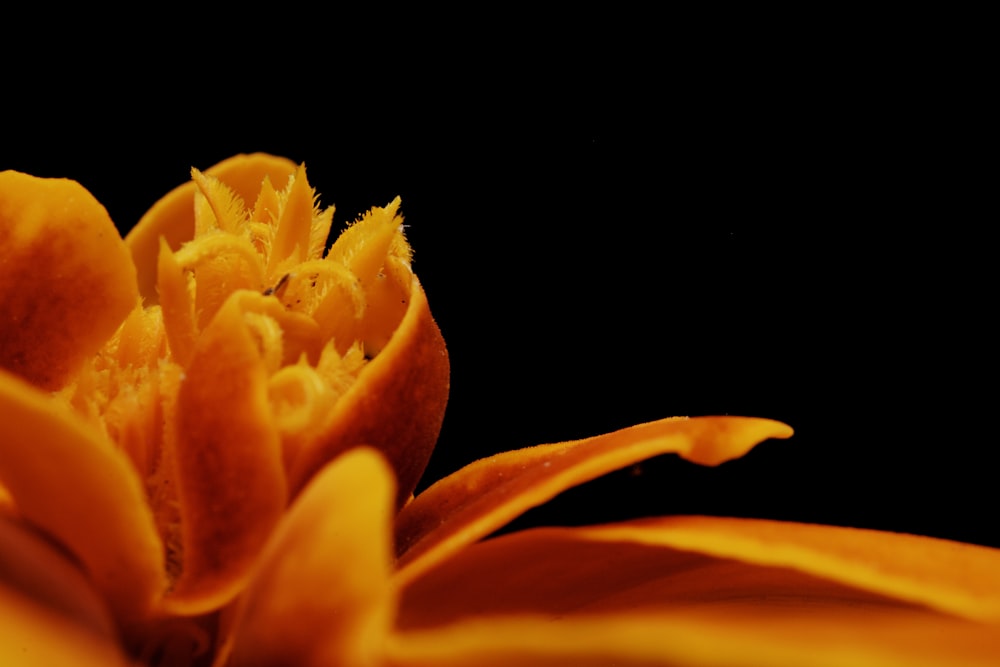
(396, 405)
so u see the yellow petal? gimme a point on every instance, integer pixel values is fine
(321, 595)
(231, 484)
(84, 492)
(487, 494)
(396, 405)
(173, 215)
(66, 280)
(291, 237)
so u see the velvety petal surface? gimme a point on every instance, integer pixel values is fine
(78, 487)
(231, 483)
(485, 495)
(172, 217)
(66, 279)
(397, 404)
(321, 595)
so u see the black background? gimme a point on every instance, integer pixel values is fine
(621, 223)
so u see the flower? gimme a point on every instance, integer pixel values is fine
(212, 434)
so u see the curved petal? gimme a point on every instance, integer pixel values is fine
(231, 484)
(32, 567)
(83, 491)
(487, 494)
(32, 635)
(704, 638)
(322, 594)
(172, 217)
(66, 280)
(397, 404)
(787, 594)
(559, 572)
(956, 578)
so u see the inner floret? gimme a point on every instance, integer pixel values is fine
(310, 324)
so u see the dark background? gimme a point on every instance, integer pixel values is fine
(615, 227)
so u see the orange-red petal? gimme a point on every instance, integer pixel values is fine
(66, 279)
(487, 494)
(172, 217)
(231, 484)
(396, 405)
(322, 594)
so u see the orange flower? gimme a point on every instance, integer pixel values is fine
(211, 435)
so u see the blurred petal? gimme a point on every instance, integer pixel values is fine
(231, 481)
(173, 215)
(704, 638)
(487, 494)
(32, 635)
(32, 567)
(83, 491)
(321, 595)
(66, 279)
(396, 405)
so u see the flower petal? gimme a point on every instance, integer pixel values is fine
(397, 404)
(33, 567)
(956, 578)
(485, 495)
(231, 483)
(66, 280)
(83, 491)
(787, 594)
(32, 635)
(172, 217)
(704, 638)
(559, 572)
(322, 594)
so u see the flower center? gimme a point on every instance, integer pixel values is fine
(315, 320)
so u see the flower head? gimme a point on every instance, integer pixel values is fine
(212, 431)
